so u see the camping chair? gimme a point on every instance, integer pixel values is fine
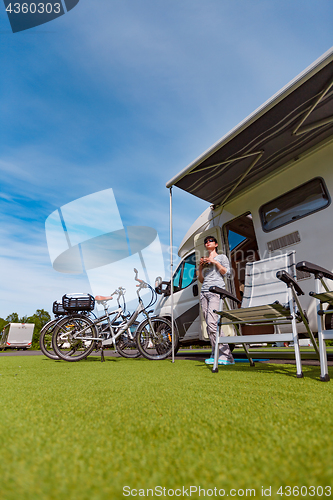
(323, 297)
(270, 298)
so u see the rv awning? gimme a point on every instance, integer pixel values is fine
(293, 121)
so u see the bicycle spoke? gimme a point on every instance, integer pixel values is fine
(154, 338)
(127, 346)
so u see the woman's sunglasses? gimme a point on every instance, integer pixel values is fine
(210, 240)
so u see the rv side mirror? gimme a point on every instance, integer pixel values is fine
(162, 287)
(166, 288)
(158, 284)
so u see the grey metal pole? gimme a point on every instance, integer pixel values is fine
(171, 278)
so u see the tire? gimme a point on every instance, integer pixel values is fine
(155, 343)
(127, 346)
(68, 343)
(45, 339)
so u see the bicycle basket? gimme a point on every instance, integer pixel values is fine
(78, 302)
(58, 309)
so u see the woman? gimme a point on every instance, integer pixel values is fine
(210, 273)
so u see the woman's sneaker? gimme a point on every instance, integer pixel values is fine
(209, 361)
(225, 362)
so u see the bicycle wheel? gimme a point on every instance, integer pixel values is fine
(127, 346)
(154, 340)
(74, 337)
(45, 339)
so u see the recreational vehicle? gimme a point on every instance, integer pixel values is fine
(17, 336)
(270, 185)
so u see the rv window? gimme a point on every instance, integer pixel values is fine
(176, 277)
(185, 273)
(189, 271)
(296, 204)
(234, 239)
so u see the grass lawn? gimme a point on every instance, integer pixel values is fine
(85, 430)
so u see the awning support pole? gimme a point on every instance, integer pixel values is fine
(242, 177)
(296, 131)
(171, 278)
(314, 125)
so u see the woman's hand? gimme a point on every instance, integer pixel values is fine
(210, 260)
(202, 262)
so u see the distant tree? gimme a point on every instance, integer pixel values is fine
(13, 318)
(40, 318)
(3, 323)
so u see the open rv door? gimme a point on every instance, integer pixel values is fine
(200, 251)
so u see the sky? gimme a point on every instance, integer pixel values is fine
(123, 95)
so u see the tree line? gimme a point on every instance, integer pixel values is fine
(40, 318)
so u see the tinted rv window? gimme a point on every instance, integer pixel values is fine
(185, 273)
(189, 271)
(176, 277)
(294, 205)
(234, 239)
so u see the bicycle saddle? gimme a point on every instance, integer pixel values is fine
(101, 298)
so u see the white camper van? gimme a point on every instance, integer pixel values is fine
(17, 336)
(270, 185)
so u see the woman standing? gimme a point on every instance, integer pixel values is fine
(210, 273)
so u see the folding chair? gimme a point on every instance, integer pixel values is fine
(270, 298)
(323, 297)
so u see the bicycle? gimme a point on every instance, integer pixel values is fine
(45, 336)
(70, 307)
(80, 335)
(75, 336)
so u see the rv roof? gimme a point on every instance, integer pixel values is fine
(297, 118)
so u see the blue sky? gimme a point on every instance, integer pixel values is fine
(124, 95)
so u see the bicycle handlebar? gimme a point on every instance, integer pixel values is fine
(136, 276)
(144, 284)
(119, 291)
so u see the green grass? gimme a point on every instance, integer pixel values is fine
(85, 430)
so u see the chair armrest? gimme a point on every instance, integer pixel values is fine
(223, 293)
(318, 271)
(289, 281)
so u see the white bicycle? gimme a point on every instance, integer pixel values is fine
(76, 336)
